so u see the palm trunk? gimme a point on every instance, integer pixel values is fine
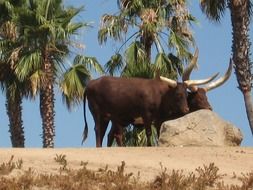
(47, 105)
(241, 46)
(14, 112)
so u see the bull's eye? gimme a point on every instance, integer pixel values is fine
(180, 96)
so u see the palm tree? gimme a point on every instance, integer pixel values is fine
(240, 11)
(154, 23)
(14, 89)
(45, 29)
(161, 24)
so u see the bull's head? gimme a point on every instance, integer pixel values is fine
(179, 90)
(197, 98)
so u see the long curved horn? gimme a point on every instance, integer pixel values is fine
(189, 68)
(221, 80)
(172, 83)
(191, 83)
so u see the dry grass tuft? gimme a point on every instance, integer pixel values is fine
(177, 180)
(246, 181)
(6, 168)
(61, 159)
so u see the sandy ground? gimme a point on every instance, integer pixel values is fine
(147, 161)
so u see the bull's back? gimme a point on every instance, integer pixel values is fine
(122, 96)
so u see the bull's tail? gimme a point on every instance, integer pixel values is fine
(85, 131)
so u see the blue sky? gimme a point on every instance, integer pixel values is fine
(213, 41)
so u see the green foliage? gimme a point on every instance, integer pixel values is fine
(114, 64)
(29, 62)
(168, 65)
(137, 64)
(214, 9)
(36, 37)
(140, 70)
(181, 44)
(151, 20)
(44, 28)
(75, 79)
(136, 136)
(135, 54)
(113, 26)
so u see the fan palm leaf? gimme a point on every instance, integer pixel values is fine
(75, 79)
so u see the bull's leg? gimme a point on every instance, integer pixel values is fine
(104, 125)
(158, 127)
(100, 128)
(117, 133)
(148, 131)
(98, 136)
(110, 136)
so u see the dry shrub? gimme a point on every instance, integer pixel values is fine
(207, 176)
(246, 183)
(7, 167)
(176, 180)
(204, 178)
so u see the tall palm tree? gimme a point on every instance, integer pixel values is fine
(14, 89)
(157, 25)
(240, 11)
(161, 24)
(45, 29)
(13, 92)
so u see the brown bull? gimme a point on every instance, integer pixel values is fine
(123, 99)
(196, 98)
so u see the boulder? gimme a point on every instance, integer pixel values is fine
(200, 128)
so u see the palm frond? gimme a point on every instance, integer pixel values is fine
(137, 64)
(73, 84)
(177, 64)
(136, 136)
(113, 27)
(214, 9)
(165, 66)
(74, 80)
(180, 44)
(130, 8)
(114, 64)
(90, 63)
(135, 53)
(37, 80)
(28, 64)
(141, 70)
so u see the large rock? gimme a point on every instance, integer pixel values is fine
(200, 128)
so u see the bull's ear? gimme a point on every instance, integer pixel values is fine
(193, 88)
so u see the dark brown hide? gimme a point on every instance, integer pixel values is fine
(198, 100)
(123, 99)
